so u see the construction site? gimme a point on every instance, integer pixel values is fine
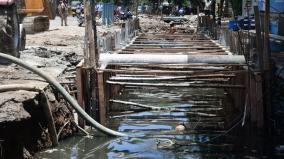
(201, 81)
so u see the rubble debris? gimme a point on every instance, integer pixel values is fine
(72, 57)
(150, 24)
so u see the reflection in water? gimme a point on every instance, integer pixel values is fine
(153, 133)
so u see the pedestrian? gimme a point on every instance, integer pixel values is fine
(129, 14)
(63, 12)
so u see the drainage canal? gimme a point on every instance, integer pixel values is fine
(192, 110)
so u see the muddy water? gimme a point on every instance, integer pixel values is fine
(154, 135)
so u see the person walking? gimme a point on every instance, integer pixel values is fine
(63, 12)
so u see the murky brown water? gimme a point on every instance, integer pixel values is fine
(154, 135)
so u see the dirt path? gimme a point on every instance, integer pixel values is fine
(62, 38)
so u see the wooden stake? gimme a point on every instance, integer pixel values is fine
(258, 37)
(49, 118)
(80, 92)
(94, 52)
(266, 67)
(102, 98)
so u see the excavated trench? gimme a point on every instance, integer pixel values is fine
(154, 99)
(23, 123)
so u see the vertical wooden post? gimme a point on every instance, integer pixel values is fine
(136, 8)
(266, 55)
(86, 46)
(160, 4)
(92, 49)
(198, 18)
(253, 99)
(87, 62)
(90, 34)
(50, 122)
(94, 43)
(258, 37)
(266, 65)
(80, 96)
(259, 103)
(101, 96)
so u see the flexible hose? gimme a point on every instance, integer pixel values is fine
(65, 94)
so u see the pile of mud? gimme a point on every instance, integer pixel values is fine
(23, 125)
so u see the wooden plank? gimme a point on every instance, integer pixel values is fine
(267, 67)
(191, 85)
(80, 92)
(165, 72)
(253, 100)
(207, 79)
(49, 118)
(259, 102)
(258, 37)
(102, 99)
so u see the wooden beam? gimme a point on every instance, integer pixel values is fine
(258, 37)
(80, 92)
(172, 73)
(49, 118)
(267, 68)
(102, 97)
(172, 78)
(191, 85)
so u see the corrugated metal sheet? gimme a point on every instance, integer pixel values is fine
(107, 13)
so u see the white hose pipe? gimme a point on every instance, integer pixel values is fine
(65, 94)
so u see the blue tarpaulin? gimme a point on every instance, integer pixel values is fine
(107, 13)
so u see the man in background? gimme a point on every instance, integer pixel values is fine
(63, 12)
